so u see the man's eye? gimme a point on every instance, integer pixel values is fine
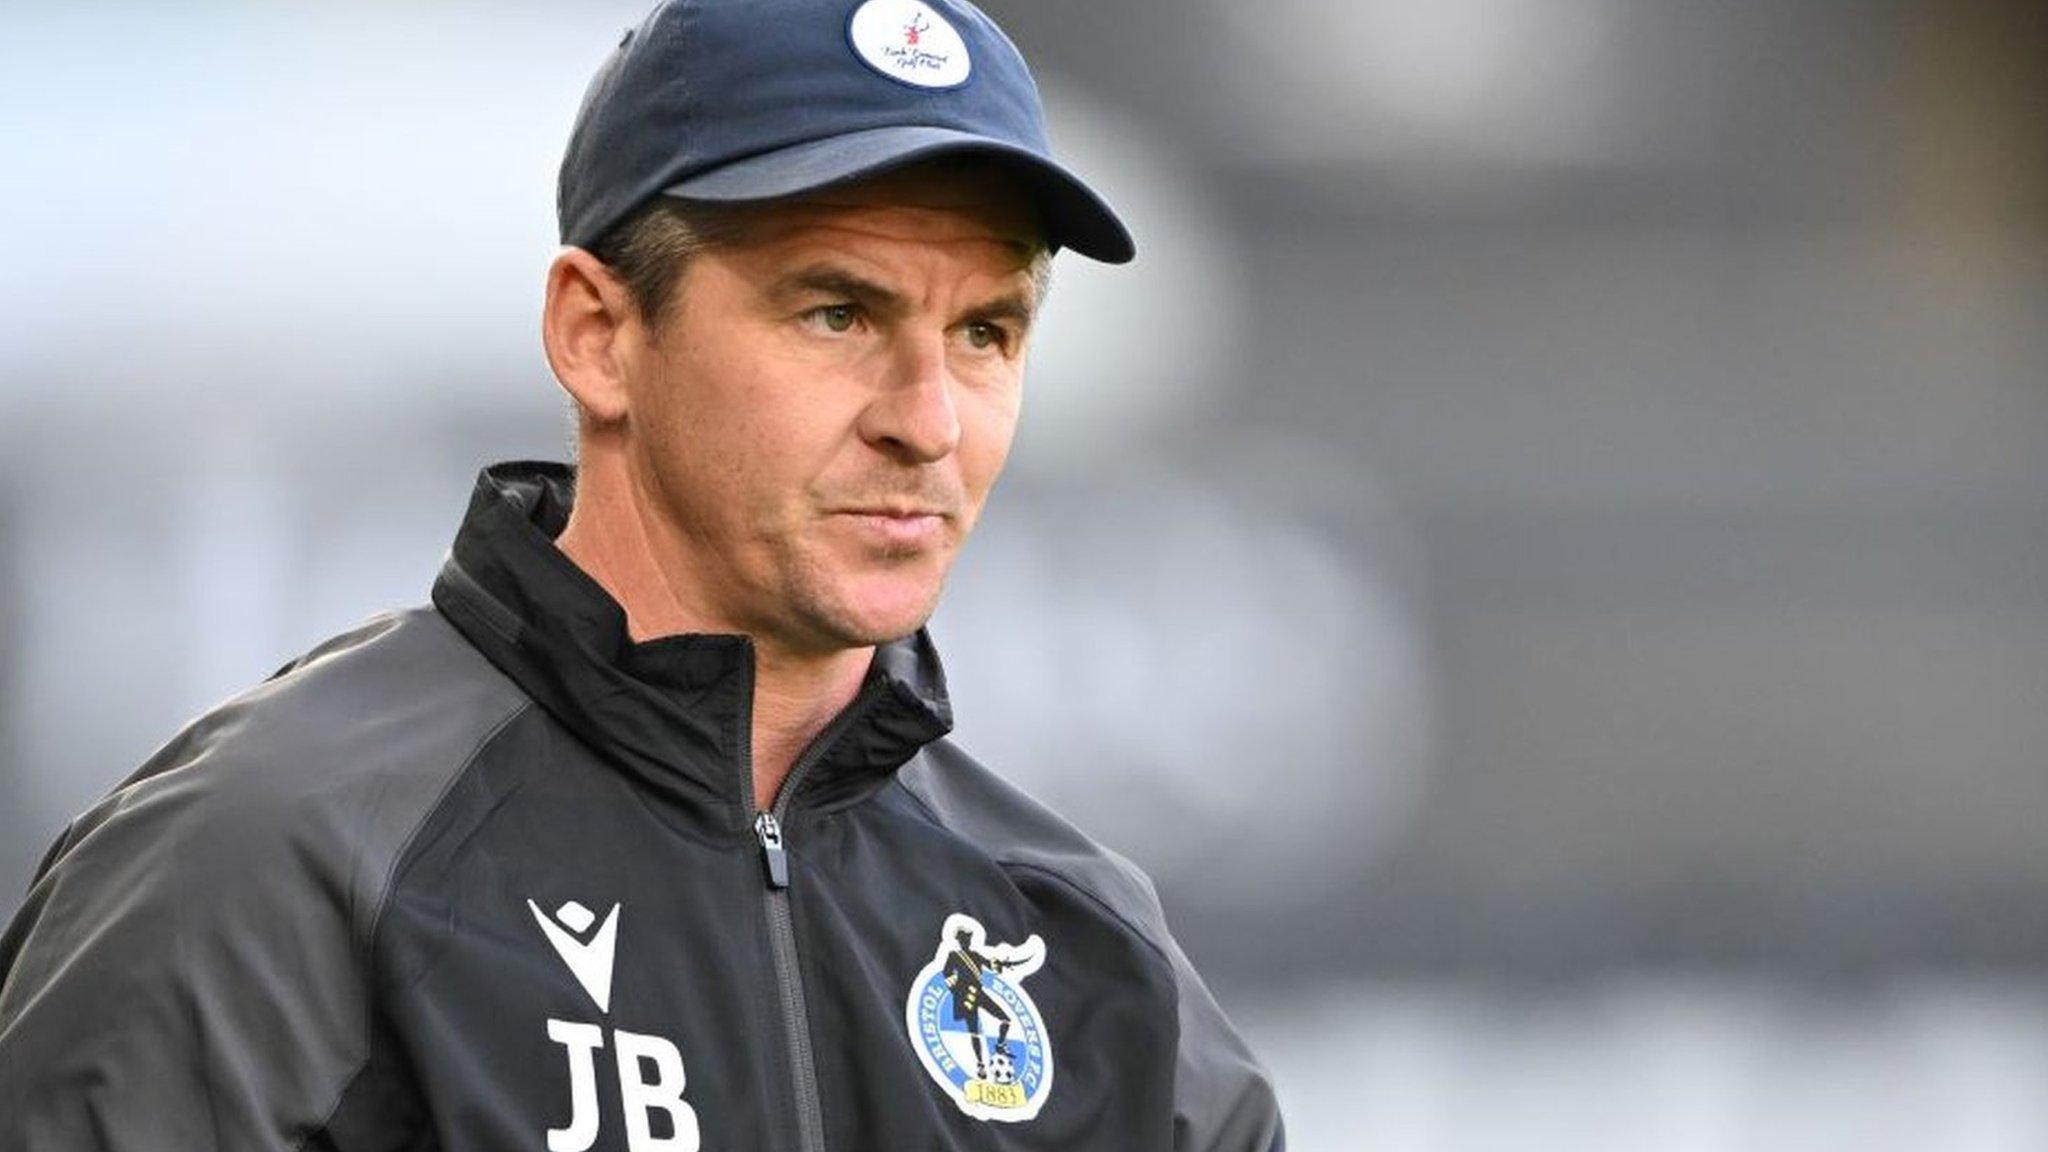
(836, 317)
(982, 334)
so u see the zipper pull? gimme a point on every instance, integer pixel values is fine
(769, 830)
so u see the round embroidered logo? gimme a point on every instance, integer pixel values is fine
(976, 1028)
(908, 41)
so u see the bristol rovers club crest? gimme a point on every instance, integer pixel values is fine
(976, 1028)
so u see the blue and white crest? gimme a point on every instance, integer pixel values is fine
(976, 1028)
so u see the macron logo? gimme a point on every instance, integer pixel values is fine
(588, 954)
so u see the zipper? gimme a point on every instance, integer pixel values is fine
(810, 1116)
(769, 831)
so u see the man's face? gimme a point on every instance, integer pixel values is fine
(823, 412)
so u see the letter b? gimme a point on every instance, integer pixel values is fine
(642, 1097)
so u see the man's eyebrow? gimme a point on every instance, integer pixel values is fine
(1021, 307)
(826, 280)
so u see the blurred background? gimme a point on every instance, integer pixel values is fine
(1545, 556)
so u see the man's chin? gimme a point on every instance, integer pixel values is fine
(868, 616)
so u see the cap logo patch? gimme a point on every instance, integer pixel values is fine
(909, 42)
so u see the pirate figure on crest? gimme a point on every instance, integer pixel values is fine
(968, 983)
(970, 999)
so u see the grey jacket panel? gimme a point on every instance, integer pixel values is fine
(189, 969)
(1223, 1098)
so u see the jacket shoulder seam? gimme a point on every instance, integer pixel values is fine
(1094, 898)
(1097, 900)
(368, 948)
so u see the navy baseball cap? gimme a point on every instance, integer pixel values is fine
(744, 100)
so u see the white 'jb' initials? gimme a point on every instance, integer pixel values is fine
(643, 1097)
(590, 961)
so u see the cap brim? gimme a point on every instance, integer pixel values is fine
(1073, 215)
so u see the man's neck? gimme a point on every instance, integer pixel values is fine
(795, 694)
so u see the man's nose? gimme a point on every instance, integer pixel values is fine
(913, 415)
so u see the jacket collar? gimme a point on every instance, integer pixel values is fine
(675, 711)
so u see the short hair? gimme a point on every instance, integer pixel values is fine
(650, 248)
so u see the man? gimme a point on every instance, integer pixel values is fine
(646, 834)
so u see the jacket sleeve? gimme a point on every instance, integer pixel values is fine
(1223, 1098)
(184, 974)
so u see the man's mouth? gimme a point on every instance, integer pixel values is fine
(900, 525)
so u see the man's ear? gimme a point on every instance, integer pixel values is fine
(590, 329)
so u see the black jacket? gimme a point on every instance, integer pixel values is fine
(489, 875)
